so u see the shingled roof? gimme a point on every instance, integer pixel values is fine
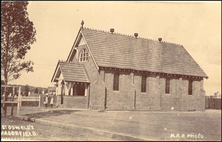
(127, 52)
(73, 72)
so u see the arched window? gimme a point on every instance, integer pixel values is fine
(83, 55)
(143, 84)
(116, 82)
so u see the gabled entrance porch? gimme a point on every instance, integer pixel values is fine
(72, 85)
(72, 94)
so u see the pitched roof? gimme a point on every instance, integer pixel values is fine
(127, 52)
(73, 72)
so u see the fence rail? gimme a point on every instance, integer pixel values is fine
(31, 100)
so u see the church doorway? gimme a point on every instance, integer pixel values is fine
(80, 89)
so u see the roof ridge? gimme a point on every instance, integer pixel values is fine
(108, 32)
(131, 36)
(172, 43)
(64, 61)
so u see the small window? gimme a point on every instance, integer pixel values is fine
(116, 82)
(190, 87)
(143, 84)
(167, 89)
(83, 55)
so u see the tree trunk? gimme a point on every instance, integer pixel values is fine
(5, 98)
(5, 71)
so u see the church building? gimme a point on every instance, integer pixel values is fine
(108, 70)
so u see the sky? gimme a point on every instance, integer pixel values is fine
(195, 25)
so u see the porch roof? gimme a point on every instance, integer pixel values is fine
(73, 72)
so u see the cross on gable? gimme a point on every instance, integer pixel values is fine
(82, 23)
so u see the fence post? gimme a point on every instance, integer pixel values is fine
(20, 99)
(12, 105)
(4, 104)
(18, 105)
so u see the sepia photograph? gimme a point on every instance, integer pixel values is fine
(110, 71)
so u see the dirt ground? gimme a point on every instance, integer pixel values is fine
(154, 125)
(47, 132)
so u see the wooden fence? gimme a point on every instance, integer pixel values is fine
(212, 102)
(30, 101)
(8, 94)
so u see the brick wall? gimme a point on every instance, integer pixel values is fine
(72, 101)
(97, 95)
(178, 99)
(173, 99)
(149, 100)
(154, 98)
(124, 97)
(75, 101)
(130, 92)
(196, 101)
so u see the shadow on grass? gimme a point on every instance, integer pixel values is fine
(50, 113)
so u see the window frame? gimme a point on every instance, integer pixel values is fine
(190, 87)
(83, 55)
(116, 81)
(167, 86)
(143, 83)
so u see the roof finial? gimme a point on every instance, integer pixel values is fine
(82, 23)
(136, 34)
